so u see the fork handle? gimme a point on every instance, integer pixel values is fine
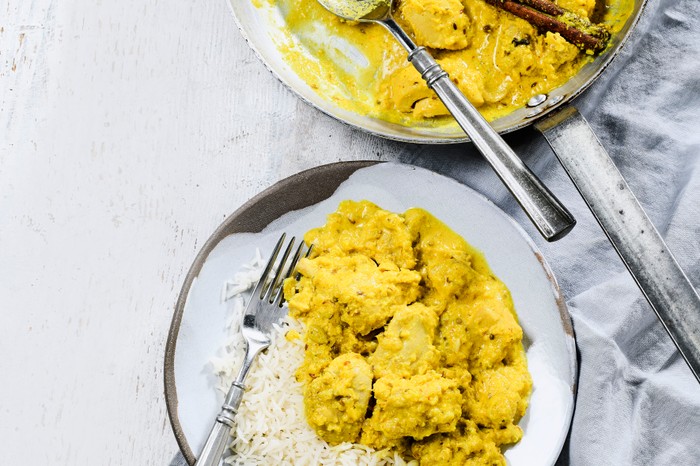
(220, 434)
(218, 440)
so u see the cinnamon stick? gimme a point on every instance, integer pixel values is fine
(548, 16)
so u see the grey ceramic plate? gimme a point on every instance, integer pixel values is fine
(302, 201)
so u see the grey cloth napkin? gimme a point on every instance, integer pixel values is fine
(637, 404)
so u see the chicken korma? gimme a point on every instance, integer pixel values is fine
(411, 342)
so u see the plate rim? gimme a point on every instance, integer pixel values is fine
(246, 219)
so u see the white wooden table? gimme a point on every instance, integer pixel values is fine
(128, 131)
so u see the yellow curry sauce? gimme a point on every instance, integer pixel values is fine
(498, 60)
(410, 341)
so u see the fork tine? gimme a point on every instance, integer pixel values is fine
(279, 298)
(260, 286)
(308, 253)
(274, 284)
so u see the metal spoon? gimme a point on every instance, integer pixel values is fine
(549, 216)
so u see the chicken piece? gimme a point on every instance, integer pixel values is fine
(354, 343)
(364, 294)
(469, 446)
(405, 88)
(336, 402)
(459, 373)
(417, 407)
(364, 228)
(479, 328)
(375, 438)
(446, 260)
(493, 324)
(466, 76)
(323, 332)
(559, 53)
(440, 24)
(498, 397)
(408, 93)
(406, 346)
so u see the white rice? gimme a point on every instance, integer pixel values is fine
(270, 424)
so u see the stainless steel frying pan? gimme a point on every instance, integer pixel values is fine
(628, 228)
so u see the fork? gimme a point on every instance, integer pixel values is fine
(263, 311)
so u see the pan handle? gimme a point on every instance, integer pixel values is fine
(628, 228)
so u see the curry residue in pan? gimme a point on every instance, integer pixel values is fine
(498, 60)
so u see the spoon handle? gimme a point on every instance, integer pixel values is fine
(550, 217)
